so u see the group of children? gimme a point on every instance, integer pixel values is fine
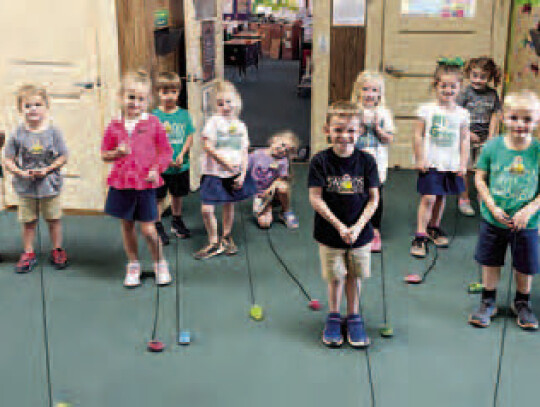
(149, 154)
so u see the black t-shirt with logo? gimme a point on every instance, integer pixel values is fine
(345, 183)
(481, 104)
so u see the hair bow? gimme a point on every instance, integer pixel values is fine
(456, 61)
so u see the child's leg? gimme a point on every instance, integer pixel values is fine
(29, 234)
(55, 231)
(283, 195)
(490, 277)
(465, 194)
(335, 294)
(523, 282)
(129, 237)
(210, 222)
(148, 230)
(425, 211)
(353, 286)
(228, 218)
(176, 206)
(437, 211)
(161, 208)
(265, 218)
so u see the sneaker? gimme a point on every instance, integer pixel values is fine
(356, 333)
(210, 250)
(161, 270)
(133, 275)
(464, 206)
(289, 219)
(525, 316)
(332, 335)
(162, 234)
(376, 243)
(26, 263)
(438, 236)
(179, 228)
(58, 258)
(483, 314)
(419, 246)
(228, 245)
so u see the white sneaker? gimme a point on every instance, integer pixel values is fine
(163, 277)
(465, 207)
(133, 275)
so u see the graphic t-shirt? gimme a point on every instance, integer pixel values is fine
(345, 183)
(370, 143)
(32, 151)
(442, 137)
(265, 169)
(481, 105)
(178, 126)
(230, 138)
(512, 178)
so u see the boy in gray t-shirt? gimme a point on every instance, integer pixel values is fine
(34, 154)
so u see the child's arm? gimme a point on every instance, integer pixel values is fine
(419, 129)
(110, 151)
(521, 217)
(185, 150)
(238, 182)
(366, 215)
(55, 165)
(494, 125)
(464, 149)
(10, 165)
(319, 206)
(384, 134)
(483, 191)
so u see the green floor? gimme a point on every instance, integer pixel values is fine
(98, 330)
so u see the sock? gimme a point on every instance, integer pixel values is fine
(521, 297)
(420, 235)
(489, 294)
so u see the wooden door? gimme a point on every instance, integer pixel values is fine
(204, 37)
(70, 47)
(413, 42)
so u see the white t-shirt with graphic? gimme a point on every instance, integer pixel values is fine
(442, 135)
(371, 144)
(229, 137)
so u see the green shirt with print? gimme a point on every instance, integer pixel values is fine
(512, 178)
(178, 126)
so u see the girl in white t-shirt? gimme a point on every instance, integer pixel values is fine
(441, 151)
(224, 163)
(378, 132)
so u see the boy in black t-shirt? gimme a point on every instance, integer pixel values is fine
(343, 190)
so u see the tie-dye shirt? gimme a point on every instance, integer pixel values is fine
(265, 169)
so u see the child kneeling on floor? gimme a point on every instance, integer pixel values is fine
(507, 181)
(34, 155)
(343, 190)
(269, 167)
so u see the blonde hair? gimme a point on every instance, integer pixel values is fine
(342, 108)
(223, 86)
(525, 99)
(361, 79)
(29, 90)
(292, 139)
(139, 76)
(168, 80)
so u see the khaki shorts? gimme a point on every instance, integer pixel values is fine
(50, 208)
(337, 263)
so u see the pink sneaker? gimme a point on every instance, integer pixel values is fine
(376, 243)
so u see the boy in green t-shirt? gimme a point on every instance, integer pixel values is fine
(179, 127)
(507, 182)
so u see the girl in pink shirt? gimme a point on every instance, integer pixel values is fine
(136, 143)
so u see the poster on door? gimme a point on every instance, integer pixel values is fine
(205, 9)
(439, 8)
(228, 7)
(208, 50)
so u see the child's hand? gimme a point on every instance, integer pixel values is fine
(239, 181)
(421, 166)
(153, 176)
(25, 174)
(179, 160)
(39, 173)
(474, 138)
(521, 218)
(502, 217)
(355, 232)
(345, 233)
(462, 171)
(123, 149)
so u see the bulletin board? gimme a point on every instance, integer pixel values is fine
(524, 49)
(439, 8)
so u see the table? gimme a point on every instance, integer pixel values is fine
(242, 54)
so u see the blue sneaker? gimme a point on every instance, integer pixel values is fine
(332, 331)
(356, 333)
(482, 316)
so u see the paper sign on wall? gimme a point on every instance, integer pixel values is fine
(439, 8)
(349, 12)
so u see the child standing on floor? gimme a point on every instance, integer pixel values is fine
(136, 144)
(34, 155)
(179, 129)
(484, 106)
(225, 179)
(269, 167)
(378, 133)
(344, 191)
(441, 150)
(507, 182)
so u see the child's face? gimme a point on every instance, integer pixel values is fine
(226, 104)
(447, 88)
(135, 99)
(343, 131)
(520, 122)
(34, 109)
(479, 78)
(279, 147)
(168, 95)
(370, 94)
